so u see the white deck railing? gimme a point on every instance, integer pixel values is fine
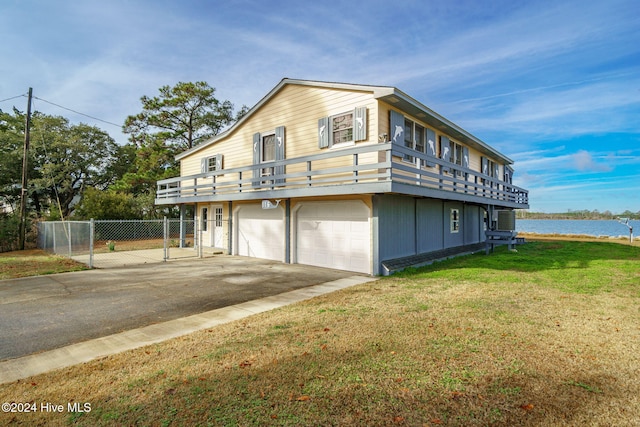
(363, 164)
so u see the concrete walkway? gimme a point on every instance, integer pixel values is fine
(142, 256)
(14, 369)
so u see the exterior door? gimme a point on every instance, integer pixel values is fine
(218, 229)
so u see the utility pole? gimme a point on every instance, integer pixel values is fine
(25, 164)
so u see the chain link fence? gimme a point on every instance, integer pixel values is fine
(112, 243)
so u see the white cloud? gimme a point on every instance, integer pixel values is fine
(583, 161)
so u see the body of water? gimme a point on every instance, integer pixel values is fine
(571, 226)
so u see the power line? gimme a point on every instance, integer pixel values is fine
(78, 112)
(13, 97)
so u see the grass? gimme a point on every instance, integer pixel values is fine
(547, 336)
(34, 262)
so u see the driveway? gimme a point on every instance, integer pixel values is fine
(47, 312)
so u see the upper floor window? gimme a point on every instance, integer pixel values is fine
(408, 138)
(211, 164)
(419, 138)
(457, 154)
(413, 138)
(268, 148)
(490, 168)
(342, 128)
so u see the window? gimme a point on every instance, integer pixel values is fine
(457, 153)
(419, 138)
(268, 153)
(459, 156)
(342, 128)
(268, 148)
(205, 219)
(455, 220)
(413, 138)
(408, 138)
(212, 163)
(489, 167)
(218, 218)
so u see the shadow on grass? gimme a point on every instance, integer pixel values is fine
(313, 390)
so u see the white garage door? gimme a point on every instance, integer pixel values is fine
(260, 232)
(334, 235)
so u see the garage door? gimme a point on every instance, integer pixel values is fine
(260, 232)
(334, 235)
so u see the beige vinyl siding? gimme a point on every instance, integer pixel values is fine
(298, 109)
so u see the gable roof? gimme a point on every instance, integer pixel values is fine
(388, 94)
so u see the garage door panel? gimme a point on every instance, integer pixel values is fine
(334, 235)
(260, 232)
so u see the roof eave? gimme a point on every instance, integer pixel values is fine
(420, 111)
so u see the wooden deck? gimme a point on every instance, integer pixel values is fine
(374, 168)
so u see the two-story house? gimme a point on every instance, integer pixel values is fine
(343, 176)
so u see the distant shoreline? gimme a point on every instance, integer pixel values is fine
(577, 237)
(558, 217)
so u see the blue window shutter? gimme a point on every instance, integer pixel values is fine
(431, 146)
(280, 152)
(445, 151)
(396, 128)
(323, 132)
(508, 174)
(257, 157)
(360, 124)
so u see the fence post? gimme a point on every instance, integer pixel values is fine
(92, 228)
(183, 231)
(69, 238)
(198, 224)
(166, 237)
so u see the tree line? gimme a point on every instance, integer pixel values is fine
(78, 171)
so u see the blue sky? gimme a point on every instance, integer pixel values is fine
(554, 85)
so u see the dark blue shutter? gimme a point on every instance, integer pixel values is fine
(323, 132)
(257, 157)
(445, 151)
(280, 153)
(396, 128)
(431, 146)
(360, 124)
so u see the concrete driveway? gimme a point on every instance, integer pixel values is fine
(48, 312)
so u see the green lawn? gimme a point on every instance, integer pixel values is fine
(547, 336)
(33, 263)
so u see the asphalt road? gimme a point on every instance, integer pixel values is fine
(47, 312)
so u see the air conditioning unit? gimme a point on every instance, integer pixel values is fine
(506, 220)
